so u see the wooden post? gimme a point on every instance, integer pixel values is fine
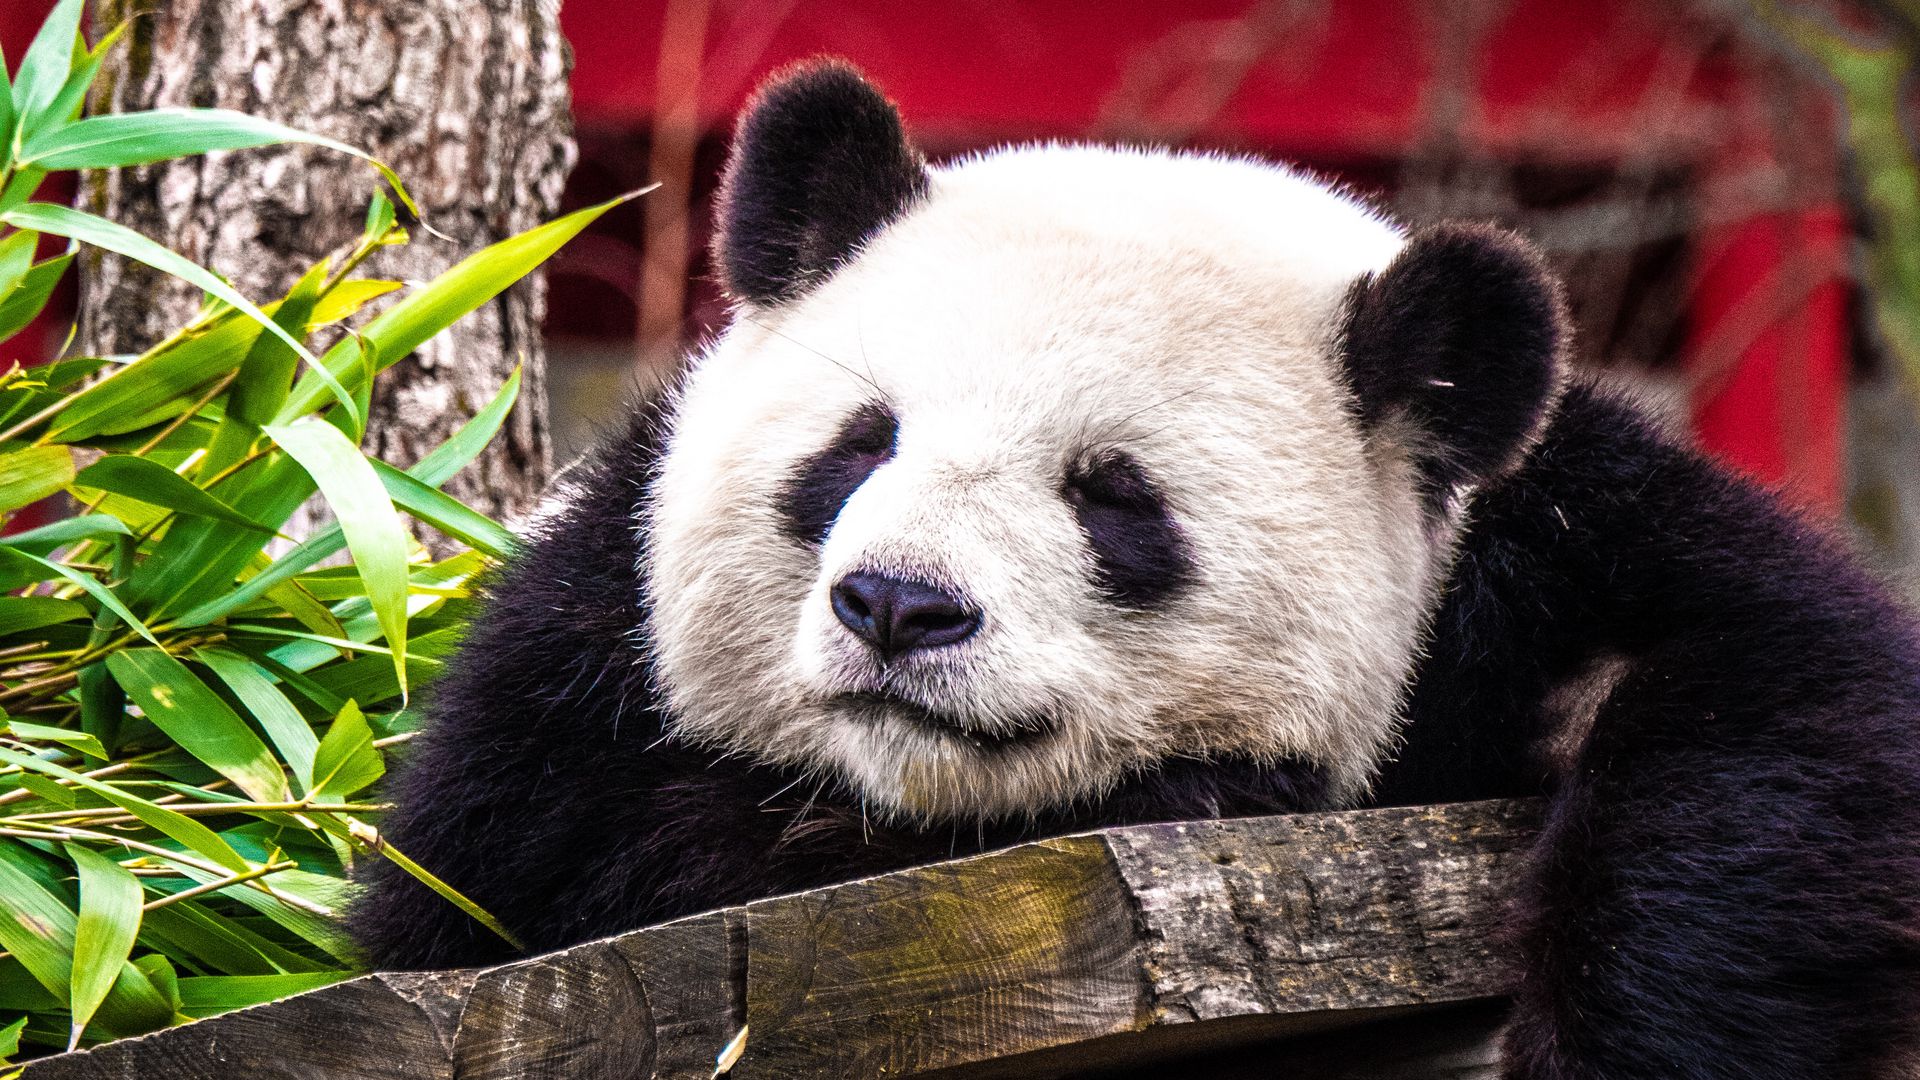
(1351, 944)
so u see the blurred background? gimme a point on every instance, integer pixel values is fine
(1728, 186)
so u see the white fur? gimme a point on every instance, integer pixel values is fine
(1041, 303)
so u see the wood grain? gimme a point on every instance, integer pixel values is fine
(1332, 942)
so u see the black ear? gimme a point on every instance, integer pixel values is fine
(1461, 339)
(819, 165)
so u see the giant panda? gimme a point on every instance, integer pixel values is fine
(1067, 486)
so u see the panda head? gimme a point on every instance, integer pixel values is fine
(1019, 475)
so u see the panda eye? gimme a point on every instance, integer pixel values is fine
(813, 496)
(1140, 556)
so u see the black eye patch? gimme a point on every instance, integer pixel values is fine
(811, 498)
(1140, 557)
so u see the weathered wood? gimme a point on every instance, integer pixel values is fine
(1354, 943)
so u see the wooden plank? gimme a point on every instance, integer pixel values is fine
(1112, 950)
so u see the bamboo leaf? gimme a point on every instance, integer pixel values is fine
(372, 528)
(108, 923)
(19, 614)
(92, 586)
(154, 483)
(178, 703)
(79, 740)
(189, 833)
(208, 994)
(434, 306)
(44, 67)
(44, 539)
(29, 475)
(289, 731)
(119, 139)
(346, 761)
(101, 233)
(29, 297)
(446, 513)
(16, 258)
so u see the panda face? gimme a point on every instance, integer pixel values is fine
(1054, 478)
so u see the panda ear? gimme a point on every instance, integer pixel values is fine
(1462, 339)
(819, 165)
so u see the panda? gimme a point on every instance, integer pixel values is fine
(1063, 487)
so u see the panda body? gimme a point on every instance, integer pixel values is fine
(1066, 487)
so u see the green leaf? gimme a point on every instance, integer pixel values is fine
(346, 761)
(79, 740)
(44, 539)
(29, 297)
(154, 483)
(439, 466)
(161, 383)
(16, 258)
(87, 582)
(347, 298)
(37, 928)
(196, 718)
(32, 474)
(19, 614)
(209, 994)
(101, 233)
(446, 513)
(373, 530)
(434, 306)
(104, 935)
(189, 833)
(10, 1038)
(73, 92)
(44, 67)
(289, 731)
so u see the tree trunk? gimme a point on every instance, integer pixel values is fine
(465, 99)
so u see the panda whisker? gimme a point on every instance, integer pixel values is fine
(790, 339)
(1106, 434)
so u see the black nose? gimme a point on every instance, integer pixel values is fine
(896, 616)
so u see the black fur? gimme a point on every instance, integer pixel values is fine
(1460, 337)
(1140, 557)
(819, 165)
(1730, 875)
(1729, 881)
(812, 497)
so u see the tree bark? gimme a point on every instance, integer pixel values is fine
(466, 99)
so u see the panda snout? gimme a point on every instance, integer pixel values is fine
(895, 616)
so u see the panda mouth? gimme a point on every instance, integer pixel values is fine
(1023, 731)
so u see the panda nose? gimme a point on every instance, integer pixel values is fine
(896, 616)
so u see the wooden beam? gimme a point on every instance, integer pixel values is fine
(1108, 950)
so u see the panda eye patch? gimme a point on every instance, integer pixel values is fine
(812, 497)
(1140, 557)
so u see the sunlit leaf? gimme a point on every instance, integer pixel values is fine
(178, 703)
(33, 474)
(436, 305)
(373, 530)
